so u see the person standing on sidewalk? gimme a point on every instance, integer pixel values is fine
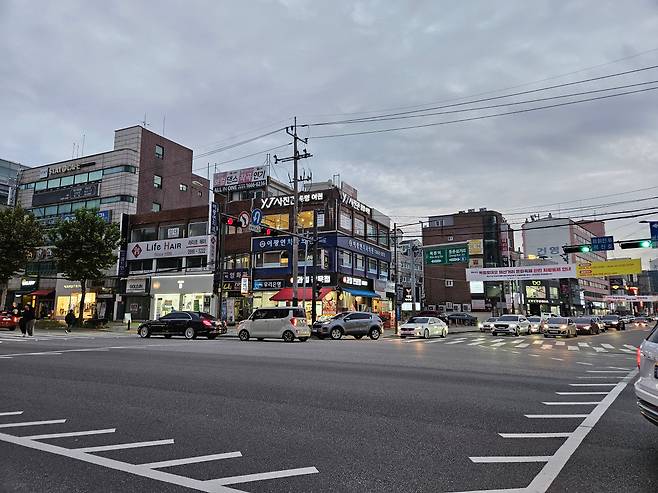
(21, 319)
(70, 321)
(29, 317)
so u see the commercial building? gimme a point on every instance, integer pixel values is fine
(9, 176)
(454, 242)
(545, 239)
(143, 172)
(410, 271)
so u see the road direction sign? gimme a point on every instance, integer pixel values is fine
(256, 217)
(255, 228)
(602, 243)
(243, 219)
(653, 226)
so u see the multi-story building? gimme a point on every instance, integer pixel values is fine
(454, 242)
(143, 172)
(410, 269)
(9, 176)
(545, 239)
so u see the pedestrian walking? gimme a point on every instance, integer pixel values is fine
(70, 321)
(29, 317)
(21, 320)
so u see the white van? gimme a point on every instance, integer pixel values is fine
(287, 323)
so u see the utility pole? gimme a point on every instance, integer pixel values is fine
(295, 158)
(397, 274)
(314, 310)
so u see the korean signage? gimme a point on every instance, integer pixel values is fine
(522, 273)
(244, 285)
(629, 298)
(240, 179)
(276, 243)
(288, 200)
(354, 204)
(56, 196)
(63, 168)
(475, 247)
(214, 218)
(617, 267)
(359, 246)
(602, 243)
(179, 247)
(354, 281)
(446, 254)
(268, 284)
(136, 286)
(322, 279)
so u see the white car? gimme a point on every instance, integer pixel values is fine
(286, 323)
(560, 326)
(511, 324)
(646, 386)
(536, 324)
(487, 325)
(424, 327)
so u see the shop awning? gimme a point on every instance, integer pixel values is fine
(362, 292)
(302, 294)
(41, 292)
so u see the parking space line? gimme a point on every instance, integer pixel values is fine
(571, 403)
(32, 423)
(12, 413)
(535, 435)
(70, 434)
(592, 384)
(555, 416)
(121, 446)
(191, 460)
(582, 393)
(511, 458)
(248, 478)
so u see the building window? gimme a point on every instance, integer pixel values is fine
(372, 266)
(157, 181)
(144, 234)
(40, 185)
(277, 221)
(344, 259)
(272, 259)
(383, 236)
(182, 187)
(305, 219)
(94, 175)
(346, 220)
(140, 265)
(66, 181)
(449, 283)
(451, 238)
(359, 226)
(155, 207)
(171, 231)
(159, 151)
(359, 262)
(197, 229)
(172, 264)
(196, 262)
(383, 270)
(372, 231)
(81, 178)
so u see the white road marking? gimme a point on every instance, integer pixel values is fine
(538, 342)
(476, 343)
(32, 423)
(600, 350)
(627, 351)
(556, 463)
(592, 384)
(581, 393)
(121, 446)
(497, 340)
(535, 435)
(247, 478)
(522, 345)
(498, 344)
(191, 460)
(571, 403)
(558, 359)
(547, 346)
(583, 363)
(71, 434)
(607, 371)
(455, 342)
(608, 346)
(633, 348)
(511, 458)
(619, 368)
(573, 348)
(12, 413)
(555, 416)
(44, 353)
(535, 355)
(560, 343)
(608, 377)
(583, 344)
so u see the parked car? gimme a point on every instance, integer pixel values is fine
(287, 323)
(8, 320)
(487, 325)
(357, 324)
(511, 324)
(560, 326)
(587, 325)
(462, 318)
(646, 386)
(537, 324)
(185, 323)
(613, 322)
(423, 327)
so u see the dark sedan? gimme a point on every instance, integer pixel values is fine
(188, 324)
(462, 318)
(587, 325)
(613, 322)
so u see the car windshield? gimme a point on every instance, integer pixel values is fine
(418, 320)
(534, 319)
(206, 315)
(582, 320)
(611, 317)
(556, 320)
(492, 319)
(509, 318)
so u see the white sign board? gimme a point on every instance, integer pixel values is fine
(637, 298)
(136, 286)
(179, 247)
(522, 273)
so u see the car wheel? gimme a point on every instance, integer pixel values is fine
(359, 336)
(243, 335)
(144, 331)
(374, 333)
(426, 334)
(336, 333)
(445, 333)
(494, 333)
(546, 336)
(288, 336)
(517, 333)
(212, 337)
(190, 333)
(403, 337)
(260, 338)
(167, 336)
(303, 339)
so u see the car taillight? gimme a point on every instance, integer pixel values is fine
(639, 358)
(293, 322)
(206, 322)
(14, 320)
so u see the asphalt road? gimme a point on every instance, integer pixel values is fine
(321, 416)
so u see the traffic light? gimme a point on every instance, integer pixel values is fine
(636, 244)
(267, 231)
(229, 220)
(577, 248)
(318, 288)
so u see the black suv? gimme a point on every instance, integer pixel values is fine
(357, 324)
(188, 324)
(613, 322)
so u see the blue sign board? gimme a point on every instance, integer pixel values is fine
(602, 243)
(256, 217)
(653, 226)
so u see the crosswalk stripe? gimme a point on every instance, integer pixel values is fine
(560, 343)
(600, 350)
(538, 342)
(608, 346)
(497, 340)
(633, 348)
(521, 346)
(498, 344)
(583, 344)
(573, 348)
(476, 343)
(547, 346)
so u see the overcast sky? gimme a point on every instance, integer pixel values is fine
(223, 71)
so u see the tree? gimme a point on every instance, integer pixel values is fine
(85, 246)
(20, 235)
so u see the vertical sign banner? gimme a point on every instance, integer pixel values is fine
(653, 227)
(244, 285)
(214, 218)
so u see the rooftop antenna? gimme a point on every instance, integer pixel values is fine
(144, 122)
(164, 119)
(82, 153)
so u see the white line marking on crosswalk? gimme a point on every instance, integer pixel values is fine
(455, 342)
(607, 378)
(619, 368)
(593, 403)
(121, 446)
(476, 343)
(557, 359)
(560, 343)
(607, 346)
(633, 348)
(32, 423)
(582, 393)
(511, 458)
(600, 350)
(627, 350)
(584, 363)
(498, 344)
(592, 384)
(555, 416)
(535, 355)
(523, 345)
(535, 435)
(497, 340)
(248, 478)
(191, 460)
(573, 348)
(583, 344)
(607, 371)
(11, 413)
(538, 342)
(547, 346)
(70, 434)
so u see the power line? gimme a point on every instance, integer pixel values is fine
(482, 117)
(237, 144)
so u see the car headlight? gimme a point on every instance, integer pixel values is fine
(480, 325)
(512, 326)
(563, 326)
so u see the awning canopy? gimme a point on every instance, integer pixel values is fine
(361, 292)
(41, 292)
(302, 294)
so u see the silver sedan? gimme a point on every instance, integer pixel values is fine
(424, 327)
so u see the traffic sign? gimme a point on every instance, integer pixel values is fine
(602, 243)
(256, 217)
(254, 228)
(243, 219)
(653, 226)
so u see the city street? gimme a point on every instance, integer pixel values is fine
(113, 412)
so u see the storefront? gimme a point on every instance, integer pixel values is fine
(137, 300)
(181, 293)
(541, 297)
(69, 296)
